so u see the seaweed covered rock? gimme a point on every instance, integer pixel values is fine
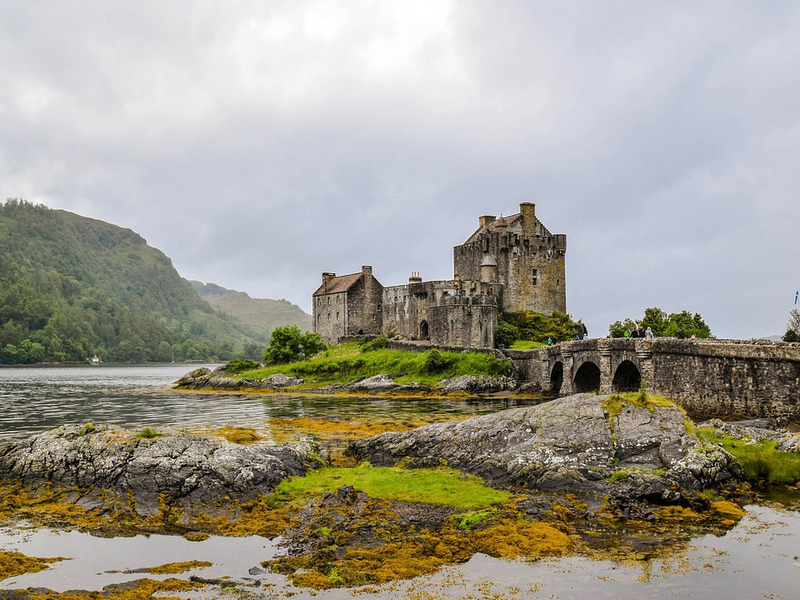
(619, 446)
(181, 470)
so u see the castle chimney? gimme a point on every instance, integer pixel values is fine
(366, 270)
(485, 220)
(528, 210)
(415, 278)
(326, 279)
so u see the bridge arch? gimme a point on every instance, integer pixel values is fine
(627, 377)
(587, 378)
(556, 377)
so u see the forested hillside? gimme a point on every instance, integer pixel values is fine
(259, 314)
(73, 287)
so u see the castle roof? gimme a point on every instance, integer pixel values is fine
(339, 284)
(495, 226)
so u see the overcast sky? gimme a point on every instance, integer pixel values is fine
(260, 143)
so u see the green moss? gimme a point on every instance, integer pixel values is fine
(443, 487)
(87, 429)
(619, 476)
(614, 403)
(147, 433)
(761, 461)
(470, 519)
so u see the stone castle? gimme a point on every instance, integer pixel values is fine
(510, 264)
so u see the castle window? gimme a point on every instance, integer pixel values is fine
(535, 276)
(337, 315)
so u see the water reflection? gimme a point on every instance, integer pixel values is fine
(758, 558)
(35, 399)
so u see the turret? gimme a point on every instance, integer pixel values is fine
(489, 269)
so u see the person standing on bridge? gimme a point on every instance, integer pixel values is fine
(681, 334)
(648, 334)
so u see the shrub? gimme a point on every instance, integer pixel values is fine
(239, 365)
(507, 334)
(147, 433)
(379, 343)
(436, 362)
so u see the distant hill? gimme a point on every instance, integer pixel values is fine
(73, 287)
(259, 315)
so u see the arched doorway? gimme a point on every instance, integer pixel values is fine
(627, 377)
(556, 377)
(587, 379)
(423, 331)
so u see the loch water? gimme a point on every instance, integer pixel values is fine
(758, 558)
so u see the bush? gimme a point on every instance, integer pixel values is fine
(147, 433)
(507, 334)
(436, 362)
(378, 343)
(533, 326)
(239, 365)
(289, 344)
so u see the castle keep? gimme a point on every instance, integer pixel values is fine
(509, 264)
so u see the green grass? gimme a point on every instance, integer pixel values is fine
(346, 362)
(526, 345)
(440, 486)
(147, 433)
(760, 461)
(614, 404)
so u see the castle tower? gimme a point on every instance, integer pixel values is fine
(531, 262)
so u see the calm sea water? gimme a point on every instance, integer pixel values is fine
(34, 399)
(759, 558)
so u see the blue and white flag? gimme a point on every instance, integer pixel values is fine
(796, 294)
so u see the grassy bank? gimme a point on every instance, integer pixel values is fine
(761, 461)
(356, 360)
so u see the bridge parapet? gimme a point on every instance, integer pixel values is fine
(725, 378)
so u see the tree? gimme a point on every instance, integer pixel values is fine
(793, 327)
(558, 327)
(663, 325)
(289, 344)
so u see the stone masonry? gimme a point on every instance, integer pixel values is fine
(508, 264)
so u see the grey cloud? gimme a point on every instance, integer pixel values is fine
(259, 144)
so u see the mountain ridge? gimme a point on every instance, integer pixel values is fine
(72, 287)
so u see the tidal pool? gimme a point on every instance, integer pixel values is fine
(758, 558)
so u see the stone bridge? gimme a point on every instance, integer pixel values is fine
(721, 378)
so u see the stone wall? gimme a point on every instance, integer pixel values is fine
(734, 379)
(531, 262)
(364, 300)
(722, 378)
(468, 321)
(330, 316)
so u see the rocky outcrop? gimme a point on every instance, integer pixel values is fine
(479, 384)
(757, 430)
(571, 443)
(205, 379)
(181, 470)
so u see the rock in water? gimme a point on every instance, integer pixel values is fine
(185, 470)
(574, 444)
